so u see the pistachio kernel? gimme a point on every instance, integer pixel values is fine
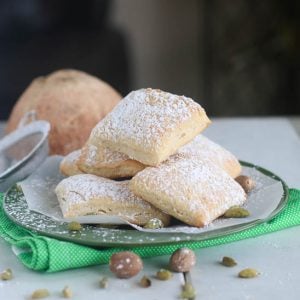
(188, 292)
(248, 273)
(40, 293)
(236, 212)
(228, 261)
(6, 274)
(74, 226)
(145, 282)
(154, 223)
(103, 283)
(67, 292)
(164, 274)
(246, 182)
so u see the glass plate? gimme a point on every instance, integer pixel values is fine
(17, 210)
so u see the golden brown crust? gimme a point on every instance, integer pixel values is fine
(86, 194)
(150, 125)
(72, 101)
(193, 191)
(68, 165)
(102, 161)
(203, 148)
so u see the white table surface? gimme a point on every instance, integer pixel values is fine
(270, 142)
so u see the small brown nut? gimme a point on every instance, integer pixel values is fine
(164, 274)
(154, 223)
(125, 264)
(40, 294)
(188, 292)
(228, 261)
(74, 226)
(67, 292)
(103, 283)
(6, 275)
(248, 273)
(145, 282)
(182, 260)
(236, 212)
(246, 182)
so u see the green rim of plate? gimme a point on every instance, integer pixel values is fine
(16, 209)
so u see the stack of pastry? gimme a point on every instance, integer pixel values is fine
(152, 138)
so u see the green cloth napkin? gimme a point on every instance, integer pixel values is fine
(51, 255)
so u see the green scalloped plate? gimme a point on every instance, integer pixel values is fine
(15, 207)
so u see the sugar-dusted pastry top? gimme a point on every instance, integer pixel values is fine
(99, 160)
(85, 194)
(68, 165)
(95, 154)
(206, 149)
(151, 122)
(194, 191)
(102, 161)
(144, 115)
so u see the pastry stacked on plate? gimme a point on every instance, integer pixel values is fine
(152, 138)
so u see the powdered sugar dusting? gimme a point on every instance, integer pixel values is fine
(84, 188)
(110, 156)
(205, 149)
(100, 155)
(193, 185)
(89, 186)
(200, 147)
(69, 165)
(262, 201)
(72, 158)
(144, 116)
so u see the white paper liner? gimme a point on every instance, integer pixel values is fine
(40, 196)
(39, 187)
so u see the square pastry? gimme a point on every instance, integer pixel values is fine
(96, 159)
(193, 191)
(87, 194)
(100, 160)
(205, 149)
(149, 125)
(69, 164)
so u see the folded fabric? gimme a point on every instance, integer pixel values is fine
(51, 255)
